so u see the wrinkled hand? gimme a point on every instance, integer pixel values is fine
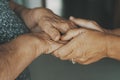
(87, 46)
(44, 19)
(36, 43)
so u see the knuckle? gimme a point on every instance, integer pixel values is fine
(54, 33)
(65, 25)
(44, 25)
(73, 30)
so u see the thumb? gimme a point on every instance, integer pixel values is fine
(86, 23)
(53, 46)
(71, 34)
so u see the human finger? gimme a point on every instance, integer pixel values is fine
(72, 33)
(74, 54)
(53, 46)
(94, 59)
(63, 51)
(48, 45)
(62, 25)
(86, 23)
(51, 31)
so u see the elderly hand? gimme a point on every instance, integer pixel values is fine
(36, 43)
(44, 19)
(87, 46)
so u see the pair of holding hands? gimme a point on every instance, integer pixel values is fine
(60, 37)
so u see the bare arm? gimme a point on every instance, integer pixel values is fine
(16, 55)
(113, 38)
(113, 46)
(13, 61)
(89, 46)
(114, 31)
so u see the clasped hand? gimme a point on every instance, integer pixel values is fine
(84, 45)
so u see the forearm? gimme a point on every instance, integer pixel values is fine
(13, 61)
(113, 46)
(114, 31)
(19, 9)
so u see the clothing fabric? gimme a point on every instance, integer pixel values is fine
(11, 26)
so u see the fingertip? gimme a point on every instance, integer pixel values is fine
(71, 18)
(66, 37)
(52, 32)
(56, 38)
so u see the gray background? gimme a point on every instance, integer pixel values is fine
(47, 67)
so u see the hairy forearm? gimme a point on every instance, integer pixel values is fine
(13, 61)
(113, 46)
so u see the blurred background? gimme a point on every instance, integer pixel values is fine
(105, 12)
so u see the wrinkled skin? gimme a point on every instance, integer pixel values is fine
(36, 43)
(42, 19)
(17, 54)
(85, 46)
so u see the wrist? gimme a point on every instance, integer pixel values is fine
(113, 31)
(14, 59)
(113, 49)
(25, 46)
(19, 9)
(30, 44)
